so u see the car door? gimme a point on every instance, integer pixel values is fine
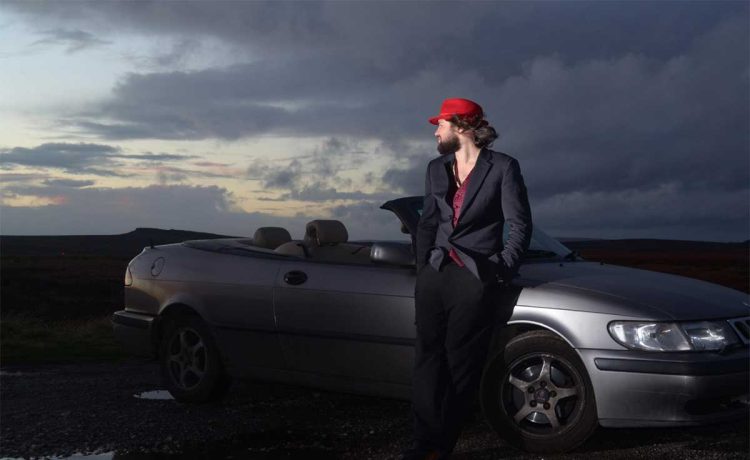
(353, 321)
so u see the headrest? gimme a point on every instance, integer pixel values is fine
(320, 232)
(271, 237)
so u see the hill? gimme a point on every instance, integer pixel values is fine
(124, 245)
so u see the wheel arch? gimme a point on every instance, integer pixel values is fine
(498, 359)
(170, 311)
(505, 333)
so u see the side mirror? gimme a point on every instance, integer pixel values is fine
(392, 254)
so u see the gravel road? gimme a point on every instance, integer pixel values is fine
(59, 410)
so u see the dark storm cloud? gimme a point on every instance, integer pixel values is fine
(338, 66)
(320, 192)
(314, 175)
(72, 157)
(157, 156)
(22, 178)
(404, 36)
(78, 158)
(669, 211)
(73, 40)
(68, 183)
(276, 176)
(613, 109)
(368, 221)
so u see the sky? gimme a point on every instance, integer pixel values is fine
(629, 119)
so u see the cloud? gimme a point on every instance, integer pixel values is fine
(68, 183)
(669, 210)
(81, 158)
(112, 210)
(619, 124)
(403, 37)
(314, 175)
(210, 209)
(319, 192)
(157, 156)
(365, 220)
(73, 39)
(72, 157)
(597, 100)
(6, 178)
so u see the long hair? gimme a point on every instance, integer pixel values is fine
(484, 134)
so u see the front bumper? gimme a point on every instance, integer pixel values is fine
(668, 389)
(135, 332)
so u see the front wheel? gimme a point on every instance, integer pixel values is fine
(536, 394)
(191, 366)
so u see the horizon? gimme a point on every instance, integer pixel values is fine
(629, 120)
(574, 239)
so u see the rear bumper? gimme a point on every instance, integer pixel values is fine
(668, 389)
(135, 332)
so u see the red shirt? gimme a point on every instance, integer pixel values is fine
(458, 201)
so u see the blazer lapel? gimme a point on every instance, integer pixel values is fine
(445, 179)
(481, 168)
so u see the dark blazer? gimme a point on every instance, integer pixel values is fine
(495, 193)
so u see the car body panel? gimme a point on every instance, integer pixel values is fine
(659, 398)
(350, 327)
(643, 294)
(329, 323)
(234, 294)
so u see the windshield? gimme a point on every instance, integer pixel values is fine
(541, 246)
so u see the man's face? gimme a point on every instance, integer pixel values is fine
(447, 140)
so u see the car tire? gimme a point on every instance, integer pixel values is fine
(191, 366)
(537, 395)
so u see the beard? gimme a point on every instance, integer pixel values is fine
(448, 145)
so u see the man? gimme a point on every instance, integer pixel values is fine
(462, 266)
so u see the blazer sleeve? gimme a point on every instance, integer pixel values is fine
(428, 223)
(517, 212)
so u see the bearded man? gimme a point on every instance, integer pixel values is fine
(462, 266)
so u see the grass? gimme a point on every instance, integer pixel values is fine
(33, 341)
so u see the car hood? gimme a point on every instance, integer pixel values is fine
(612, 289)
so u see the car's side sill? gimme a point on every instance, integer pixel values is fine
(326, 382)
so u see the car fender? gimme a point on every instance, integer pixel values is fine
(580, 329)
(188, 300)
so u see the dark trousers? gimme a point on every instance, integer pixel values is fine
(455, 318)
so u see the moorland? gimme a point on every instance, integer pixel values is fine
(57, 293)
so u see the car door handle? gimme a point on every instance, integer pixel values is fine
(295, 277)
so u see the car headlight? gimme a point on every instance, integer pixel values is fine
(658, 336)
(710, 335)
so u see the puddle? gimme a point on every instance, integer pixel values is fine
(249, 453)
(102, 456)
(12, 373)
(154, 394)
(273, 445)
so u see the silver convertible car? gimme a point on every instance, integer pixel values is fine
(587, 344)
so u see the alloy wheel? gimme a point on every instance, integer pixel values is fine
(187, 358)
(542, 393)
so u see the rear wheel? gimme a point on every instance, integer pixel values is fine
(191, 365)
(536, 394)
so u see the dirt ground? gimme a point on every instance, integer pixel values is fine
(48, 410)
